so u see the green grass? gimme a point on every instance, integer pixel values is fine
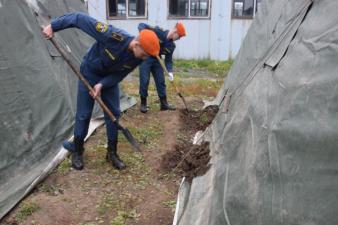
(171, 204)
(25, 210)
(107, 203)
(201, 87)
(122, 216)
(64, 167)
(147, 135)
(51, 190)
(137, 166)
(220, 68)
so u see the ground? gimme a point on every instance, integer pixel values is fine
(144, 193)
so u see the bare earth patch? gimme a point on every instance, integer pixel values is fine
(143, 194)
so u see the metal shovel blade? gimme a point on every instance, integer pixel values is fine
(44, 19)
(130, 138)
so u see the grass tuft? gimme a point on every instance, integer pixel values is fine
(219, 68)
(25, 210)
(122, 216)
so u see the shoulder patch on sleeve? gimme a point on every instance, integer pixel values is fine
(101, 27)
(117, 36)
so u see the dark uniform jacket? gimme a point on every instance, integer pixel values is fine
(167, 46)
(109, 56)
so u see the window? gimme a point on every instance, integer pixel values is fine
(124, 9)
(199, 8)
(245, 9)
(178, 8)
(137, 8)
(189, 8)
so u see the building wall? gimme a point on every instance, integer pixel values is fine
(216, 38)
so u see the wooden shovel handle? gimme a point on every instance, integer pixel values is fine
(81, 77)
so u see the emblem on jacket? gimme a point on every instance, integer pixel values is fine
(101, 27)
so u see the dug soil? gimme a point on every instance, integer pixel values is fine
(188, 160)
(143, 194)
(196, 120)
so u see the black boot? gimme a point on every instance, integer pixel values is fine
(77, 155)
(113, 157)
(165, 105)
(144, 107)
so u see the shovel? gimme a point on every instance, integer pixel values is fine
(172, 82)
(124, 130)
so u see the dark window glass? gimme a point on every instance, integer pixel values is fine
(238, 8)
(248, 8)
(117, 8)
(179, 8)
(199, 7)
(245, 8)
(136, 7)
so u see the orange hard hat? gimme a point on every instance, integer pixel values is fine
(149, 42)
(180, 29)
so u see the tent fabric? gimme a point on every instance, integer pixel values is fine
(38, 94)
(274, 140)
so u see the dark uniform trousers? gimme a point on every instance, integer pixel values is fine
(151, 65)
(85, 103)
(107, 62)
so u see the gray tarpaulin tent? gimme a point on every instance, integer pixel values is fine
(37, 95)
(274, 142)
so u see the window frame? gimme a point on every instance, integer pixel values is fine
(189, 17)
(127, 17)
(233, 16)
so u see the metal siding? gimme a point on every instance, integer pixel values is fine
(220, 30)
(217, 38)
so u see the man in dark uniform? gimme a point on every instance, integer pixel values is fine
(114, 54)
(151, 64)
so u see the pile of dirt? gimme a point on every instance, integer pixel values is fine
(194, 121)
(186, 159)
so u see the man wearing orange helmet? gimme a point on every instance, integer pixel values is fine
(110, 59)
(167, 47)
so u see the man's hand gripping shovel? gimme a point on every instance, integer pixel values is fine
(43, 18)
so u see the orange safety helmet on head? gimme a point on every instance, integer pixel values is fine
(149, 42)
(180, 29)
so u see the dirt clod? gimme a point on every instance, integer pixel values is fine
(186, 159)
(194, 121)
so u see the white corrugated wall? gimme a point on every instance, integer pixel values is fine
(216, 38)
